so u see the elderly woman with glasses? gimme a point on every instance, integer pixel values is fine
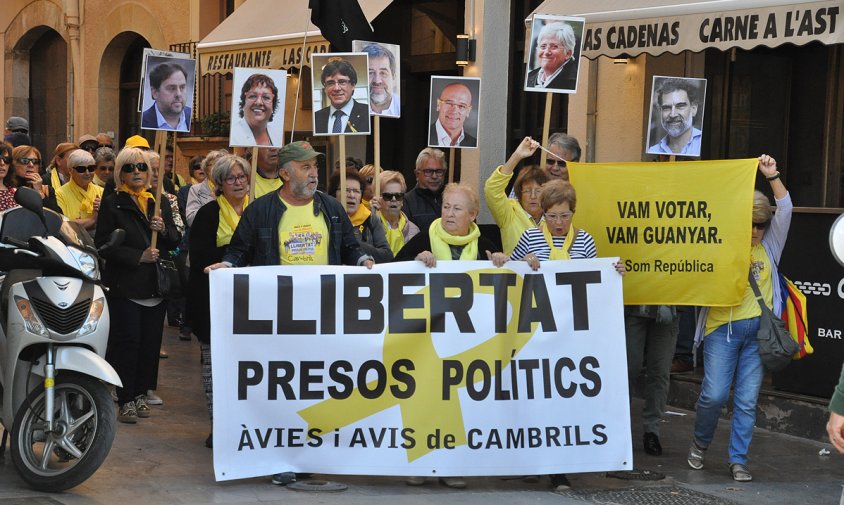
(130, 273)
(731, 353)
(368, 230)
(79, 198)
(211, 234)
(516, 216)
(104, 158)
(8, 181)
(26, 160)
(397, 226)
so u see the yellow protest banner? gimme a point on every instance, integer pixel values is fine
(682, 228)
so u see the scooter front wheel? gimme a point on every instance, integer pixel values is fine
(80, 441)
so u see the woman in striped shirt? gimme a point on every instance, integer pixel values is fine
(556, 238)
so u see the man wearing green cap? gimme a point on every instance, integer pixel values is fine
(295, 225)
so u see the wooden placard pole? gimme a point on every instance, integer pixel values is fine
(450, 165)
(253, 175)
(342, 196)
(546, 125)
(161, 144)
(376, 145)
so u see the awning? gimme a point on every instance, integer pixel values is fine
(267, 34)
(656, 26)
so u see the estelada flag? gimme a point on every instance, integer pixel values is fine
(341, 22)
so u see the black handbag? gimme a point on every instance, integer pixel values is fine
(776, 347)
(168, 284)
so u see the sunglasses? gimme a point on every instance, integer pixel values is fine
(82, 170)
(6, 159)
(763, 225)
(393, 196)
(559, 163)
(91, 148)
(131, 167)
(27, 161)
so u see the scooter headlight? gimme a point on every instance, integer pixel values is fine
(87, 263)
(31, 321)
(94, 315)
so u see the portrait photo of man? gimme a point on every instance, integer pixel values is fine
(168, 93)
(453, 112)
(258, 110)
(676, 116)
(384, 74)
(553, 60)
(341, 103)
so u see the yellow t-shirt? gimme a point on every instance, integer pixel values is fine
(760, 266)
(302, 236)
(264, 185)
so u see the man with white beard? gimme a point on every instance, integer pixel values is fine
(677, 103)
(382, 72)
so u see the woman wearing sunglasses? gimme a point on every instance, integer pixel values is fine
(26, 160)
(398, 228)
(367, 228)
(8, 181)
(137, 313)
(731, 352)
(79, 198)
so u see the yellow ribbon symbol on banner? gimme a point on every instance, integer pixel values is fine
(426, 411)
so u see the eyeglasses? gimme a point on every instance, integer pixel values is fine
(6, 159)
(91, 148)
(236, 178)
(532, 191)
(559, 163)
(27, 161)
(393, 196)
(131, 167)
(82, 170)
(562, 216)
(548, 47)
(110, 146)
(430, 172)
(352, 191)
(763, 225)
(462, 107)
(254, 97)
(338, 82)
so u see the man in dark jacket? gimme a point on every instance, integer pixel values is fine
(297, 225)
(423, 203)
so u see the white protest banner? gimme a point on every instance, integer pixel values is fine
(463, 369)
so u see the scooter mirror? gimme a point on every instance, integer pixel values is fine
(114, 239)
(31, 200)
(836, 239)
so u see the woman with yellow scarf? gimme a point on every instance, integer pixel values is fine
(79, 198)
(397, 226)
(210, 236)
(136, 309)
(367, 227)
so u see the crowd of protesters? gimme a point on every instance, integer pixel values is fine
(207, 221)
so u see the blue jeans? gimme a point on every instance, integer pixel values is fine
(728, 357)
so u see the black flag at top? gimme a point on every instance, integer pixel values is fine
(341, 22)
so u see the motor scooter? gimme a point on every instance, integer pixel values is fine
(54, 325)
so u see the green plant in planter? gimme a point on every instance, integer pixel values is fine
(215, 124)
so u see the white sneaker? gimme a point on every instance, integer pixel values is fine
(153, 399)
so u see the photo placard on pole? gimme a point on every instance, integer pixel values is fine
(676, 117)
(340, 93)
(454, 114)
(257, 109)
(554, 48)
(169, 85)
(384, 76)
